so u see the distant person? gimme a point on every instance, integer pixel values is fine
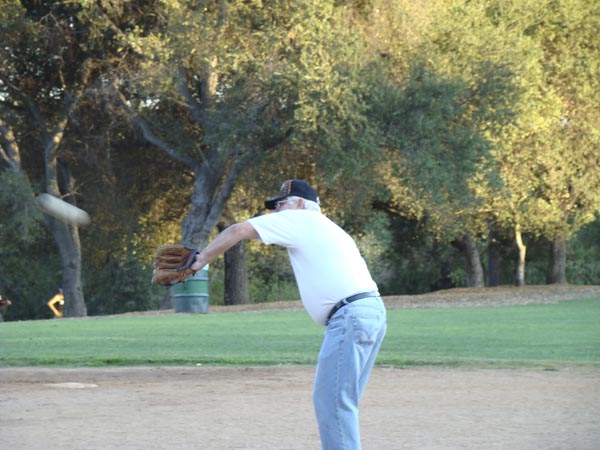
(57, 303)
(4, 304)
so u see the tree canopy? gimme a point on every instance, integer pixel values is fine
(462, 123)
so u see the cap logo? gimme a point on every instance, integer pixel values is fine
(286, 187)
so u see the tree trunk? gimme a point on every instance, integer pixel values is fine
(65, 236)
(493, 260)
(236, 276)
(167, 301)
(557, 270)
(71, 285)
(215, 172)
(520, 276)
(473, 268)
(236, 273)
(69, 247)
(212, 188)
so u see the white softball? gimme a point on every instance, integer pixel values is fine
(62, 210)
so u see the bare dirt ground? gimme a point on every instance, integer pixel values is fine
(269, 408)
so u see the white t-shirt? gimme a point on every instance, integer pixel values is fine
(325, 259)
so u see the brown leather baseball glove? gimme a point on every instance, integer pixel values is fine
(172, 264)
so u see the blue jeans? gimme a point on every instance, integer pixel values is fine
(352, 340)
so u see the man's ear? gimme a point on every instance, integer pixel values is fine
(300, 203)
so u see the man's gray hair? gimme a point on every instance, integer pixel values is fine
(308, 204)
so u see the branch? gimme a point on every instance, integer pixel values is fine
(53, 139)
(224, 193)
(151, 137)
(31, 106)
(197, 112)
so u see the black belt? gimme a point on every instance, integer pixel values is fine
(343, 302)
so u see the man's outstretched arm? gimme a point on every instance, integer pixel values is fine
(223, 242)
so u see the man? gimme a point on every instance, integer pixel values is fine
(4, 304)
(337, 291)
(57, 304)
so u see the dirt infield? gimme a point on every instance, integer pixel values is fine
(269, 408)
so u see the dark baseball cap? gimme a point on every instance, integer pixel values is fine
(295, 188)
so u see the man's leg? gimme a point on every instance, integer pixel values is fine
(351, 343)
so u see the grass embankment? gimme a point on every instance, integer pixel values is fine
(548, 336)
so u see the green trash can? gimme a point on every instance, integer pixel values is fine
(192, 295)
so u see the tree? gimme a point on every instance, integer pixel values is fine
(548, 161)
(41, 86)
(531, 185)
(432, 153)
(236, 273)
(458, 96)
(264, 80)
(571, 170)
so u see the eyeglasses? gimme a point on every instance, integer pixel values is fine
(280, 203)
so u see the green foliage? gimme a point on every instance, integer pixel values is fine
(418, 262)
(583, 263)
(270, 276)
(465, 49)
(547, 164)
(522, 68)
(406, 101)
(31, 275)
(29, 265)
(435, 146)
(375, 243)
(329, 64)
(137, 199)
(121, 285)
(317, 77)
(21, 218)
(399, 256)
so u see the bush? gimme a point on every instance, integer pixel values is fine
(29, 263)
(416, 263)
(270, 276)
(122, 285)
(583, 262)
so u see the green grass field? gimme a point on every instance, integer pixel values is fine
(552, 336)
